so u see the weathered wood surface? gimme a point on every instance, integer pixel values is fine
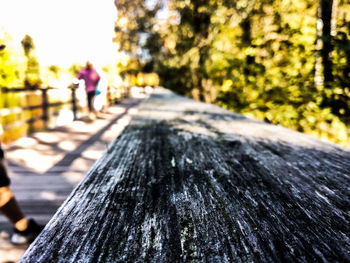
(188, 181)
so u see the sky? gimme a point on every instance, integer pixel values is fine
(63, 31)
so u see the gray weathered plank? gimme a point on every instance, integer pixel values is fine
(188, 181)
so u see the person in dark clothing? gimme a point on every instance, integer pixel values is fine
(25, 230)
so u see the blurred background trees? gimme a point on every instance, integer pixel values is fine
(285, 62)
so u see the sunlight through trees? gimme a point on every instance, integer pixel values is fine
(285, 62)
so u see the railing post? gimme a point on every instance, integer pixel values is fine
(108, 95)
(74, 102)
(45, 105)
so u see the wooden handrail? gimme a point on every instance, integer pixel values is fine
(191, 182)
(45, 105)
(23, 89)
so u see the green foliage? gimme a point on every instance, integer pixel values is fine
(134, 19)
(32, 72)
(75, 69)
(8, 72)
(257, 58)
(12, 66)
(11, 63)
(28, 45)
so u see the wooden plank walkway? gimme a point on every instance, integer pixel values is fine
(46, 166)
(192, 182)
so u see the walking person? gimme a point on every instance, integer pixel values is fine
(91, 78)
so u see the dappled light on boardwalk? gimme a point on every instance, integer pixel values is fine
(46, 166)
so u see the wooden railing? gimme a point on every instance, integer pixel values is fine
(31, 109)
(191, 182)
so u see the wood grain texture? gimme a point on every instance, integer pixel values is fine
(191, 182)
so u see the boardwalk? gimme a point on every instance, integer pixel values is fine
(46, 166)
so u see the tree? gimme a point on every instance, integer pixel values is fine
(11, 66)
(134, 24)
(32, 74)
(258, 58)
(326, 7)
(336, 92)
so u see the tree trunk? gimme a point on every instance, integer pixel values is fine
(326, 16)
(201, 29)
(318, 78)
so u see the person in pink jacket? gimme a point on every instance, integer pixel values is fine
(91, 78)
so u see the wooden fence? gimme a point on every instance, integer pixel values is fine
(25, 110)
